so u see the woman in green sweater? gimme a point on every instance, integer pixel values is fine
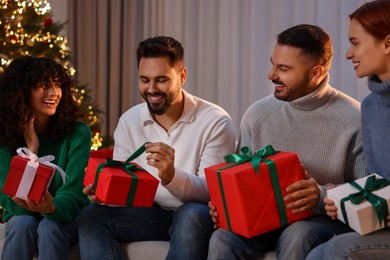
(38, 111)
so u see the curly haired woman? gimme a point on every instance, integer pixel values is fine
(38, 112)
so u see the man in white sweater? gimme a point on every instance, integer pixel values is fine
(187, 134)
(305, 115)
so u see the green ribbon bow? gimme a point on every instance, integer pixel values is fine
(127, 167)
(255, 158)
(247, 156)
(379, 204)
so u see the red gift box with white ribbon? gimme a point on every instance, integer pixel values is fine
(30, 176)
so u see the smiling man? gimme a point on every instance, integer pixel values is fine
(305, 115)
(187, 134)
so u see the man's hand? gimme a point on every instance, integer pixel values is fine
(88, 191)
(388, 221)
(161, 157)
(45, 207)
(330, 207)
(214, 214)
(302, 195)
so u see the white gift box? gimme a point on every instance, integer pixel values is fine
(361, 217)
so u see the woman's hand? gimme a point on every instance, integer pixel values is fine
(330, 207)
(46, 206)
(30, 136)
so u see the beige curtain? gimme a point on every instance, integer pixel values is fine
(103, 36)
(227, 45)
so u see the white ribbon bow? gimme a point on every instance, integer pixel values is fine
(31, 168)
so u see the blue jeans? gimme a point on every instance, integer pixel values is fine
(354, 246)
(190, 232)
(25, 234)
(299, 238)
(103, 228)
(293, 242)
(227, 245)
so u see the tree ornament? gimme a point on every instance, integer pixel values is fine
(47, 21)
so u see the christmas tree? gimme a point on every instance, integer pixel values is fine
(27, 28)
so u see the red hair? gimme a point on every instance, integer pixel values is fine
(374, 17)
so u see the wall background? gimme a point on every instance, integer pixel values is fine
(228, 44)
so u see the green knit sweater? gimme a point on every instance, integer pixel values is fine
(71, 154)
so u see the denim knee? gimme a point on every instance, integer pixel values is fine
(48, 226)
(21, 233)
(24, 224)
(298, 239)
(354, 246)
(192, 225)
(87, 213)
(192, 212)
(220, 239)
(50, 229)
(227, 245)
(94, 216)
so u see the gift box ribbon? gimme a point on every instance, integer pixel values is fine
(379, 204)
(31, 169)
(255, 158)
(128, 168)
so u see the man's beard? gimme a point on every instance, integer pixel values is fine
(158, 109)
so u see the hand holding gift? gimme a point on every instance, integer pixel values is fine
(331, 210)
(29, 178)
(118, 183)
(162, 157)
(214, 214)
(88, 190)
(46, 206)
(302, 195)
(363, 204)
(388, 220)
(330, 207)
(248, 191)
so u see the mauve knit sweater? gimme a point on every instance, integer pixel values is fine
(376, 127)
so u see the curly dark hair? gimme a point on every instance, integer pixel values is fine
(20, 77)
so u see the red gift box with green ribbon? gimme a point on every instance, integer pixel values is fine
(248, 190)
(119, 183)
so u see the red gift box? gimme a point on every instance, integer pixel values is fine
(13, 184)
(250, 203)
(121, 184)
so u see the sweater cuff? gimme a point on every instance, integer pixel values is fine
(319, 209)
